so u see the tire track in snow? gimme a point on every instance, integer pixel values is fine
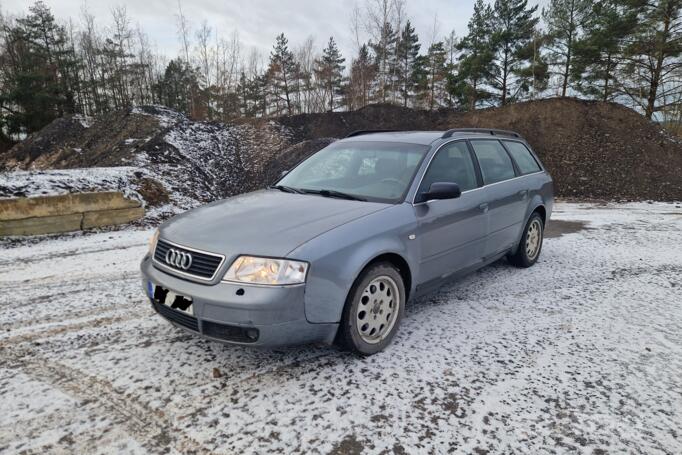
(12, 341)
(154, 430)
(66, 254)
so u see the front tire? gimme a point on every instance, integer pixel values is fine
(528, 251)
(374, 308)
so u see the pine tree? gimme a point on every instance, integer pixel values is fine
(257, 93)
(476, 61)
(533, 77)
(329, 71)
(652, 58)
(40, 83)
(178, 85)
(565, 20)
(281, 73)
(407, 50)
(431, 75)
(599, 54)
(514, 25)
(362, 74)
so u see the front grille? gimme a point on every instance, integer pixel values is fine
(229, 332)
(176, 316)
(204, 265)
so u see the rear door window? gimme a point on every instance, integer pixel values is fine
(452, 164)
(524, 159)
(494, 161)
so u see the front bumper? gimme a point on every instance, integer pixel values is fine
(230, 312)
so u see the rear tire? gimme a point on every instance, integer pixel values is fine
(374, 308)
(528, 251)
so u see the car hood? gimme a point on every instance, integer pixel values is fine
(267, 223)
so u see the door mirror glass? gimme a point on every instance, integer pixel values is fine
(441, 190)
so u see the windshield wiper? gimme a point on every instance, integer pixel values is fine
(286, 189)
(336, 194)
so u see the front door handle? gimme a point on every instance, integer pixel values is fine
(484, 207)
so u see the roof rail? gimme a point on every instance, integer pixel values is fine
(363, 132)
(492, 132)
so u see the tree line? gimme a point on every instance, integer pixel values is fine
(627, 51)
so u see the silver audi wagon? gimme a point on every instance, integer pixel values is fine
(334, 250)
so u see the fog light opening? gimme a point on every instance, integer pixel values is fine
(252, 334)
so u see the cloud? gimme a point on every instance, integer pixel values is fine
(258, 22)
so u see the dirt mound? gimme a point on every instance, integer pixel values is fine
(72, 142)
(594, 150)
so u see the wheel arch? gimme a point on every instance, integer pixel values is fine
(539, 208)
(399, 262)
(542, 211)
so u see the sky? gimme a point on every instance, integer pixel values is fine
(258, 22)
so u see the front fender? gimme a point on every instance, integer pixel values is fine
(338, 256)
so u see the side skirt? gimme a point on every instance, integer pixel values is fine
(431, 286)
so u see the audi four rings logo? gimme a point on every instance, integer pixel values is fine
(179, 259)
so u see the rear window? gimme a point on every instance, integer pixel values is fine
(524, 159)
(495, 163)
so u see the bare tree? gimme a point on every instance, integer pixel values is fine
(203, 36)
(379, 24)
(183, 30)
(120, 52)
(359, 83)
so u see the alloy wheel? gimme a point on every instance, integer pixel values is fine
(378, 309)
(533, 239)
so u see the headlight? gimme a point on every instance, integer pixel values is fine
(250, 269)
(152, 241)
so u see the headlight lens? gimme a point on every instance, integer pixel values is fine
(152, 241)
(257, 270)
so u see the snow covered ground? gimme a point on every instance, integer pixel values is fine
(581, 353)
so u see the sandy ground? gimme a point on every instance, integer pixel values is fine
(581, 353)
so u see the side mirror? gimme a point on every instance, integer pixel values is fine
(441, 190)
(283, 173)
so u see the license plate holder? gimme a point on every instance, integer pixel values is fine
(173, 300)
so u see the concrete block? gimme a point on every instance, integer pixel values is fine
(111, 217)
(41, 225)
(42, 206)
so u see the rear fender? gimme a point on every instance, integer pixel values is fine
(535, 202)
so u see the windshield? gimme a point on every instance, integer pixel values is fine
(372, 171)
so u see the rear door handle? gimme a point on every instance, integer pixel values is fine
(523, 194)
(484, 207)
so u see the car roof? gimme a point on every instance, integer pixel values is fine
(425, 137)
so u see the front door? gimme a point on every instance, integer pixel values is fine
(451, 232)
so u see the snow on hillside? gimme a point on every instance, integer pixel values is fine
(210, 160)
(63, 181)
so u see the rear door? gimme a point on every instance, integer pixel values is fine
(451, 232)
(505, 194)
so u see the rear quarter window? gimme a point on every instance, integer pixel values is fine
(524, 159)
